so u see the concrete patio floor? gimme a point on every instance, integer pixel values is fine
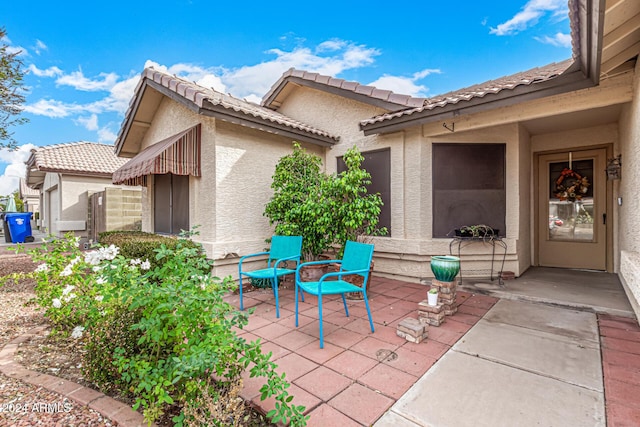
(513, 354)
(358, 375)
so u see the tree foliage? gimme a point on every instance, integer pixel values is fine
(11, 92)
(326, 210)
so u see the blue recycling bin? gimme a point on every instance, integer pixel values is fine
(19, 226)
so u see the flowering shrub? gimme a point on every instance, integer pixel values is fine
(167, 331)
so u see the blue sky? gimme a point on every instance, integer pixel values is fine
(83, 59)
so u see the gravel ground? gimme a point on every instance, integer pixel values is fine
(23, 404)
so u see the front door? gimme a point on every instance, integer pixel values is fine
(572, 215)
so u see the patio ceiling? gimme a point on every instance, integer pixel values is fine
(621, 34)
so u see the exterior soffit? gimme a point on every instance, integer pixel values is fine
(621, 39)
(145, 109)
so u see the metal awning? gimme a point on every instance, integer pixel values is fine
(179, 154)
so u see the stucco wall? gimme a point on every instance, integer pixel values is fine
(74, 202)
(524, 239)
(50, 211)
(629, 211)
(65, 204)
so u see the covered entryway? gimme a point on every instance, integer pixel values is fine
(572, 209)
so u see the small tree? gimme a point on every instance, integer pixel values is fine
(11, 92)
(297, 207)
(326, 210)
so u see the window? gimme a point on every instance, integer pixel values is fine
(468, 187)
(378, 164)
(171, 203)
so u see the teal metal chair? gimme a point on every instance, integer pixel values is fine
(356, 260)
(283, 249)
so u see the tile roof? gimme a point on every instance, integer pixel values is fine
(396, 100)
(210, 99)
(78, 158)
(491, 87)
(26, 191)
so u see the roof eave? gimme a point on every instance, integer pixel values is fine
(217, 111)
(239, 118)
(562, 84)
(44, 170)
(270, 100)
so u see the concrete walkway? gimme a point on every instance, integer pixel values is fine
(523, 364)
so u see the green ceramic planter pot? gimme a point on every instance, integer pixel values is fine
(445, 268)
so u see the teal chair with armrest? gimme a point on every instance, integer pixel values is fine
(356, 261)
(283, 249)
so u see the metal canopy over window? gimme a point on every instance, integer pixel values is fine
(178, 154)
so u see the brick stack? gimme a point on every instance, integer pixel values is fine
(431, 314)
(446, 295)
(412, 330)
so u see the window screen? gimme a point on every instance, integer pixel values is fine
(468, 187)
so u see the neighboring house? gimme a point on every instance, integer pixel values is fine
(65, 176)
(493, 153)
(30, 197)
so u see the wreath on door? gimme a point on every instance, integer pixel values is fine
(571, 186)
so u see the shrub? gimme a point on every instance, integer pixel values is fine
(115, 330)
(139, 244)
(166, 332)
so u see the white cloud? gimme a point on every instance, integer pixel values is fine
(560, 40)
(13, 49)
(40, 46)
(256, 80)
(49, 72)
(78, 81)
(50, 108)
(529, 15)
(330, 45)
(105, 135)
(405, 85)
(90, 123)
(15, 169)
(331, 57)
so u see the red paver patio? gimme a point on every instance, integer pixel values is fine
(359, 374)
(620, 346)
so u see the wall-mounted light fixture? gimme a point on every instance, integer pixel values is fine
(614, 168)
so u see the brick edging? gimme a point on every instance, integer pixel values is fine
(110, 408)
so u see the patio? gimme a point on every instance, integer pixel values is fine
(372, 369)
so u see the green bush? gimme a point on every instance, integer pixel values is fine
(164, 332)
(141, 245)
(115, 330)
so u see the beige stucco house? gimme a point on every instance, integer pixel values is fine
(30, 197)
(65, 176)
(494, 153)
